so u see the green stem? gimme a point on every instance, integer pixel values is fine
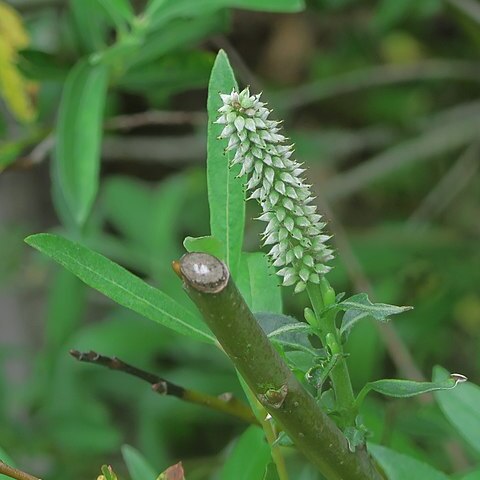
(322, 296)
(268, 429)
(208, 283)
(277, 456)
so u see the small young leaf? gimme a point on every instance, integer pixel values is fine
(359, 306)
(286, 332)
(107, 473)
(137, 465)
(249, 457)
(407, 388)
(78, 137)
(461, 407)
(355, 437)
(401, 467)
(120, 285)
(207, 244)
(226, 195)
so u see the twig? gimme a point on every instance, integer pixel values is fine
(377, 76)
(155, 117)
(163, 149)
(429, 144)
(208, 283)
(151, 149)
(452, 183)
(14, 473)
(38, 154)
(225, 403)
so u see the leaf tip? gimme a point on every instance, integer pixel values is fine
(458, 378)
(31, 239)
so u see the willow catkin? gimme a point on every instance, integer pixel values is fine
(294, 229)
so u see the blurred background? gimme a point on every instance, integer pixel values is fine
(382, 101)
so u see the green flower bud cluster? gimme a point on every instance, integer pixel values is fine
(294, 228)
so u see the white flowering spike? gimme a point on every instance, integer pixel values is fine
(294, 229)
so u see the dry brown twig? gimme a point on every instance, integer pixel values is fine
(15, 473)
(225, 403)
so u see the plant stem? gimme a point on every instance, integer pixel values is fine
(14, 473)
(277, 456)
(268, 429)
(208, 283)
(225, 403)
(322, 296)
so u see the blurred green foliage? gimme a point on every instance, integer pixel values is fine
(384, 109)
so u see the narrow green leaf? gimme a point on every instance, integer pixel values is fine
(90, 23)
(137, 465)
(59, 201)
(407, 388)
(226, 195)
(249, 457)
(118, 9)
(401, 467)
(178, 34)
(264, 284)
(119, 51)
(291, 327)
(359, 306)
(461, 407)
(42, 66)
(181, 69)
(120, 285)
(259, 284)
(269, 5)
(160, 9)
(79, 135)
